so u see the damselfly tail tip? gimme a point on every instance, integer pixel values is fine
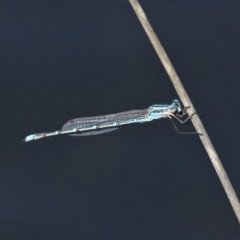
(29, 138)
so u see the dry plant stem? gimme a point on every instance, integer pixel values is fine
(187, 103)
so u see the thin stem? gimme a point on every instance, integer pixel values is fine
(191, 110)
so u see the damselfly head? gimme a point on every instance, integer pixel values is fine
(176, 105)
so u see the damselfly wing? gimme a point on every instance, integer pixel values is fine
(111, 121)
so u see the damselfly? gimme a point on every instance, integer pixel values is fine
(101, 124)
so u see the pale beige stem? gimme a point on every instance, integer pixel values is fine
(191, 110)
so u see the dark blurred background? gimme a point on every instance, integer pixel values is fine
(66, 59)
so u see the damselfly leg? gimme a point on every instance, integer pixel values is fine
(186, 121)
